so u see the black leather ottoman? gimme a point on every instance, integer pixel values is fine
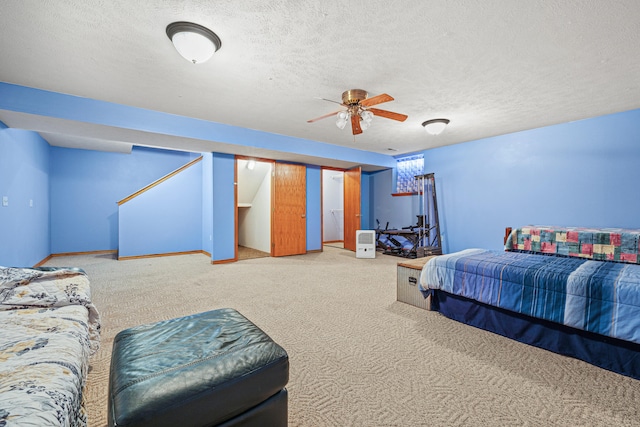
(213, 368)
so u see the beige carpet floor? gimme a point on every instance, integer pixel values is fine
(358, 357)
(250, 253)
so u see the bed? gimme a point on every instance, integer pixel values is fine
(574, 291)
(48, 329)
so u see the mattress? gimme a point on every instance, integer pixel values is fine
(48, 330)
(595, 296)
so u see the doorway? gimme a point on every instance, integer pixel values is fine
(254, 208)
(333, 208)
(341, 207)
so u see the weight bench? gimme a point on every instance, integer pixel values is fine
(207, 369)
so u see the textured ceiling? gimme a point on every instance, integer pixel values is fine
(490, 66)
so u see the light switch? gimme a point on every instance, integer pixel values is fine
(5, 200)
(30, 203)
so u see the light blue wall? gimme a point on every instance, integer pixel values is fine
(83, 201)
(400, 211)
(207, 202)
(164, 219)
(24, 177)
(86, 186)
(314, 208)
(223, 207)
(365, 202)
(583, 173)
(57, 105)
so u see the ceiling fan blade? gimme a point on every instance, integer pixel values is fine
(378, 99)
(323, 117)
(355, 124)
(330, 100)
(388, 114)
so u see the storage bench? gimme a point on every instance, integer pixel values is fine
(207, 369)
(408, 278)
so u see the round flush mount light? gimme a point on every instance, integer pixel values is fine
(435, 126)
(194, 42)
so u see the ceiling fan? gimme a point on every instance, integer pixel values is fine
(359, 110)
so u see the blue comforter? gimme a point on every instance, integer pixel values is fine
(596, 296)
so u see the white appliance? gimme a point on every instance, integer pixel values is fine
(365, 244)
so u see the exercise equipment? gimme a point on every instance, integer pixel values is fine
(421, 239)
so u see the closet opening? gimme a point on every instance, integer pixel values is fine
(254, 208)
(333, 208)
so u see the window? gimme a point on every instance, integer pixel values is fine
(407, 169)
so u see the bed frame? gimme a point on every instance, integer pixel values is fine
(609, 353)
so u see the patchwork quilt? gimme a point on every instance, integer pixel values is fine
(48, 330)
(596, 296)
(605, 244)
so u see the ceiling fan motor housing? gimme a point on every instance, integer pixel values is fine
(353, 96)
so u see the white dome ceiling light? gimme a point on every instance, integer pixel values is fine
(194, 42)
(435, 126)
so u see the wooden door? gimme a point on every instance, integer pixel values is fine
(351, 207)
(289, 209)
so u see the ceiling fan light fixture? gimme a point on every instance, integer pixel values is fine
(343, 115)
(435, 126)
(367, 116)
(341, 119)
(194, 42)
(365, 119)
